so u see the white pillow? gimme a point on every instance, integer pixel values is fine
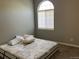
(15, 40)
(28, 39)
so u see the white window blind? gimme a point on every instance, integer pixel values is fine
(46, 18)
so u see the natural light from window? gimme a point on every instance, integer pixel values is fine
(46, 15)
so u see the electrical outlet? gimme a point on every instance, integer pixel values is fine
(71, 39)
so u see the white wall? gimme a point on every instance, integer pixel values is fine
(66, 22)
(16, 17)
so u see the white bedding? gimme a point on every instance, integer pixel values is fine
(31, 51)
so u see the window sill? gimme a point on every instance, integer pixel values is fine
(45, 28)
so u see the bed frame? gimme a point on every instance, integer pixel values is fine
(3, 55)
(7, 55)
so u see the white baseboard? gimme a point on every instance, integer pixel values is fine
(67, 44)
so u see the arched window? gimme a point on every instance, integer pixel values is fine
(46, 15)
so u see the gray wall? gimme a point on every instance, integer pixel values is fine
(66, 22)
(16, 18)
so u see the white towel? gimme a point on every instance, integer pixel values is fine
(16, 40)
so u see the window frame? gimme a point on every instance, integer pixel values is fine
(45, 10)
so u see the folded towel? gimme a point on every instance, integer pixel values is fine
(16, 40)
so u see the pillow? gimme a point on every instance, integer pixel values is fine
(28, 39)
(15, 40)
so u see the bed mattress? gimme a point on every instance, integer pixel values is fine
(35, 50)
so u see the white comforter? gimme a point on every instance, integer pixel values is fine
(31, 51)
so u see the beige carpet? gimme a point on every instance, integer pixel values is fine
(67, 52)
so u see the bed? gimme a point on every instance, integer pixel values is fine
(39, 49)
